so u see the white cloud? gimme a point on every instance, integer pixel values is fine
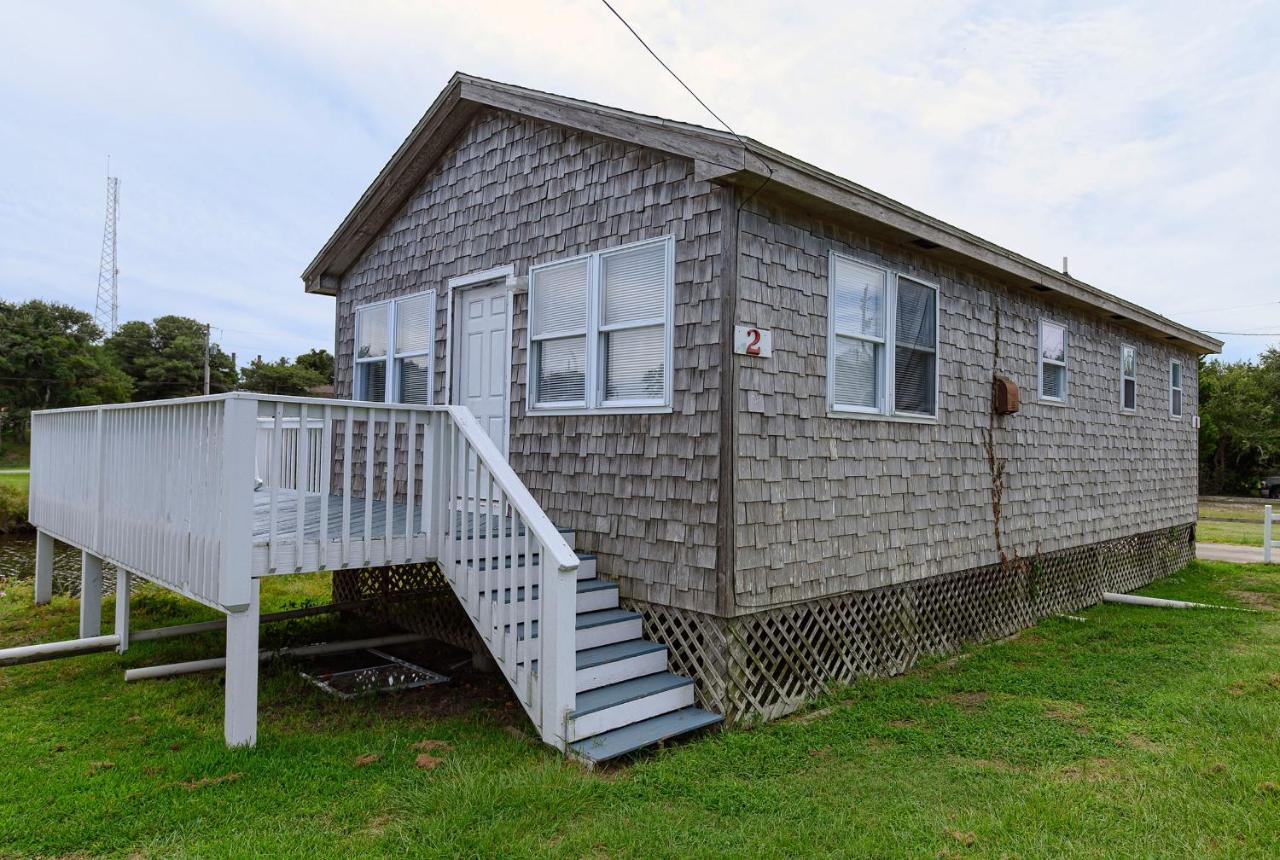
(1137, 138)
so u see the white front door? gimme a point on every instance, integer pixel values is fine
(481, 352)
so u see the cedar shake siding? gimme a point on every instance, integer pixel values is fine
(826, 505)
(640, 490)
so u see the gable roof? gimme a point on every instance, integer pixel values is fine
(722, 158)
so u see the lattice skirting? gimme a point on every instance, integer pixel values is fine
(767, 664)
(413, 596)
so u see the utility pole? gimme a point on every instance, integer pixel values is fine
(106, 310)
(206, 359)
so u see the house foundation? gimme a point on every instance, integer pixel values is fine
(764, 665)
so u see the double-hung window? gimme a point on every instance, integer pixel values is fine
(883, 341)
(600, 329)
(1175, 388)
(1128, 378)
(1053, 362)
(394, 350)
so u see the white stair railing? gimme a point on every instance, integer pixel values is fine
(513, 572)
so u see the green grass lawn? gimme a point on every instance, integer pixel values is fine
(18, 482)
(13, 454)
(1136, 733)
(1239, 521)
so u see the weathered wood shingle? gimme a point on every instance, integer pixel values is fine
(639, 489)
(830, 504)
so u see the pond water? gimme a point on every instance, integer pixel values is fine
(18, 563)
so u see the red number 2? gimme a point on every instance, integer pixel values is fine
(753, 341)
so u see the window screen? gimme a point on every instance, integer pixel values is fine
(394, 349)
(876, 366)
(600, 328)
(558, 329)
(1175, 389)
(858, 324)
(915, 335)
(1053, 361)
(1128, 378)
(633, 300)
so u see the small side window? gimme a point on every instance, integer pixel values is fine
(1175, 388)
(1128, 379)
(1053, 362)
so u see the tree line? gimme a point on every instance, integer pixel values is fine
(54, 355)
(1239, 423)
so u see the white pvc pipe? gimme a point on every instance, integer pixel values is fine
(221, 623)
(323, 648)
(55, 650)
(1139, 600)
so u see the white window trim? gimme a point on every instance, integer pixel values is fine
(1180, 388)
(1041, 361)
(595, 332)
(886, 409)
(392, 382)
(1123, 378)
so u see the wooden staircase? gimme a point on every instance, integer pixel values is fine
(626, 699)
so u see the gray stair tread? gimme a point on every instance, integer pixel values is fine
(587, 620)
(626, 739)
(604, 616)
(617, 651)
(627, 691)
(585, 586)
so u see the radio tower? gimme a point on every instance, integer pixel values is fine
(106, 311)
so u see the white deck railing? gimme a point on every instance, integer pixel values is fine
(204, 494)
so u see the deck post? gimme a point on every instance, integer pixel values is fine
(239, 442)
(90, 595)
(124, 581)
(44, 567)
(1266, 534)
(240, 722)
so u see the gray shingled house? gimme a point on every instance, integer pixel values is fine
(762, 398)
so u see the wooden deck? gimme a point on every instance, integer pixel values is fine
(287, 517)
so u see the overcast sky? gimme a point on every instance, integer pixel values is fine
(1139, 138)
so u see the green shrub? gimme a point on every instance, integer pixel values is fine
(13, 507)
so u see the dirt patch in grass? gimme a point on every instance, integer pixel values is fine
(205, 782)
(809, 716)
(428, 745)
(1065, 711)
(1138, 742)
(1256, 599)
(427, 762)
(969, 701)
(906, 723)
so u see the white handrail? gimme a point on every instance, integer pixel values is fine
(517, 494)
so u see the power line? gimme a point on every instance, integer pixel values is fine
(1244, 333)
(1224, 310)
(688, 89)
(741, 140)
